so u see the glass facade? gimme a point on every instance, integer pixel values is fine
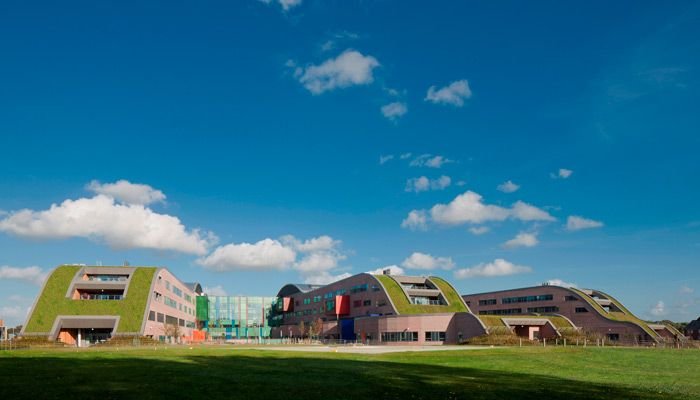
(239, 317)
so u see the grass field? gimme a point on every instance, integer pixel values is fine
(238, 373)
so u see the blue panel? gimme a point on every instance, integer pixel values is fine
(347, 329)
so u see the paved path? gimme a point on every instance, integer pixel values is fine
(363, 349)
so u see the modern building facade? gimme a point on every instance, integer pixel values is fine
(81, 305)
(379, 309)
(589, 310)
(237, 317)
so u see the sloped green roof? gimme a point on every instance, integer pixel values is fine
(52, 301)
(404, 306)
(497, 320)
(625, 316)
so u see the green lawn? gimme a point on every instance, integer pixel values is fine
(230, 372)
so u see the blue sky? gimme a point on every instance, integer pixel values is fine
(248, 144)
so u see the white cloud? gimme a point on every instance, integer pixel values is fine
(13, 314)
(467, 207)
(393, 270)
(286, 4)
(426, 261)
(479, 230)
(576, 223)
(265, 254)
(348, 69)
(32, 274)
(318, 261)
(499, 267)
(385, 159)
(328, 45)
(416, 220)
(405, 156)
(422, 184)
(122, 226)
(559, 282)
(325, 278)
(320, 243)
(430, 161)
(526, 212)
(508, 187)
(658, 309)
(127, 192)
(686, 290)
(563, 173)
(217, 290)
(522, 240)
(454, 94)
(395, 110)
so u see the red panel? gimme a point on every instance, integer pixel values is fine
(287, 304)
(342, 305)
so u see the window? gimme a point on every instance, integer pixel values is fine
(188, 298)
(543, 309)
(570, 298)
(357, 303)
(307, 300)
(367, 303)
(507, 311)
(399, 336)
(340, 292)
(487, 302)
(434, 336)
(527, 299)
(375, 288)
(581, 309)
(177, 291)
(317, 299)
(181, 322)
(161, 318)
(167, 285)
(330, 305)
(381, 303)
(170, 302)
(152, 316)
(359, 288)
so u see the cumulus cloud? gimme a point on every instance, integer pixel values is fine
(470, 208)
(422, 184)
(264, 254)
(417, 220)
(479, 230)
(32, 274)
(419, 260)
(508, 187)
(658, 309)
(14, 315)
(526, 212)
(100, 218)
(686, 290)
(393, 270)
(405, 156)
(522, 240)
(217, 290)
(314, 259)
(559, 282)
(498, 267)
(394, 111)
(127, 192)
(430, 161)
(348, 69)
(454, 94)
(576, 223)
(385, 159)
(467, 207)
(285, 4)
(563, 173)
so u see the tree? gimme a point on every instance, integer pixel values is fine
(316, 328)
(172, 330)
(302, 330)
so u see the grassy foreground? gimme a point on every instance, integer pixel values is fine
(228, 372)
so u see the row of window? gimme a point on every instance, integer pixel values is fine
(359, 288)
(169, 319)
(361, 303)
(527, 299)
(434, 336)
(507, 311)
(543, 309)
(399, 336)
